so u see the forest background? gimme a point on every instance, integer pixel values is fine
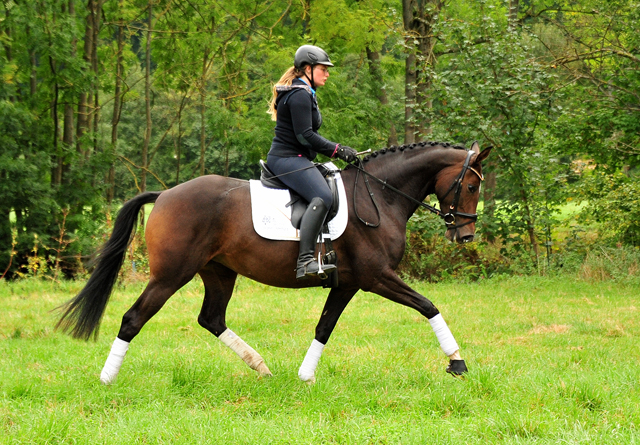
(101, 100)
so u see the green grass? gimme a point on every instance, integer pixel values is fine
(551, 361)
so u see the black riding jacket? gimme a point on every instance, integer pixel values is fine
(297, 123)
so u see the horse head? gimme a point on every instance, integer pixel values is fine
(458, 191)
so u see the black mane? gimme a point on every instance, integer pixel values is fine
(394, 148)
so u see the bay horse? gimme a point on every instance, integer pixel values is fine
(204, 226)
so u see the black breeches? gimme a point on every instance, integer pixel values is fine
(308, 182)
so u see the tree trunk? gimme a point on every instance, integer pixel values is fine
(68, 113)
(33, 78)
(58, 160)
(489, 196)
(7, 42)
(68, 138)
(83, 123)
(408, 7)
(418, 19)
(203, 96)
(513, 13)
(306, 18)
(117, 106)
(7, 30)
(424, 82)
(147, 100)
(67, 129)
(147, 132)
(178, 146)
(378, 83)
(96, 14)
(5, 230)
(60, 167)
(178, 142)
(533, 240)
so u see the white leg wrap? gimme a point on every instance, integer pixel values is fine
(307, 372)
(244, 351)
(114, 361)
(444, 335)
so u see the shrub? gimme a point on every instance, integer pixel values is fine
(613, 201)
(430, 256)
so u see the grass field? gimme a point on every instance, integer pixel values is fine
(551, 361)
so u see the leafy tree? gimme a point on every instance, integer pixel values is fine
(497, 92)
(599, 58)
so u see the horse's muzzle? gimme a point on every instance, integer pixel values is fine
(461, 238)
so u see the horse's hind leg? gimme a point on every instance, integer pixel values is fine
(218, 287)
(148, 304)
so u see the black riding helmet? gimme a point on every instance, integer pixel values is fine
(311, 55)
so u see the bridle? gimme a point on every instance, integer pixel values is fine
(448, 217)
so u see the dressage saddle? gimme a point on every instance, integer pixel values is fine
(298, 204)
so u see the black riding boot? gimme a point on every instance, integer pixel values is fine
(310, 227)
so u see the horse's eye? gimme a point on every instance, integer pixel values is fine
(472, 188)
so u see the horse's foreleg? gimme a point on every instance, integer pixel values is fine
(336, 302)
(148, 304)
(218, 284)
(393, 288)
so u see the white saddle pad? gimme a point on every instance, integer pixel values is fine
(272, 219)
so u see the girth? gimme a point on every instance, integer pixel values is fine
(298, 204)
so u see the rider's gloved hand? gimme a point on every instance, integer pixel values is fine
(346, 153)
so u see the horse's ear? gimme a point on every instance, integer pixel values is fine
(475, 147)
(483, 154)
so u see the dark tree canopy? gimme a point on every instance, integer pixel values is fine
(101, 100)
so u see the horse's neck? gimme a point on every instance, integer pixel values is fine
(413, 172)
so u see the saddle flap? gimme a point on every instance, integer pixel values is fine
(272, 219)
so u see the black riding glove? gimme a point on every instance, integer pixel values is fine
(346, 153)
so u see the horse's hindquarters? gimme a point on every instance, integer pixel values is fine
(209, 219)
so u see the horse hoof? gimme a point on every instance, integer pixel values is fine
(106, 378)
(457, 367)
(308, 379)
(263, 370)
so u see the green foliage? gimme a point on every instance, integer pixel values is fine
(603, 121)
(429, 256)
(614, 202)
(558, 84)
(502, 94)
(24, 167)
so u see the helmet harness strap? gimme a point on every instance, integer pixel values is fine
(313, 84)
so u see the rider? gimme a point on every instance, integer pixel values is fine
(295, 109)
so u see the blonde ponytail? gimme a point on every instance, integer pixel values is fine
(286, 79)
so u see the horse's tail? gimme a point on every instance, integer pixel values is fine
(83, 313)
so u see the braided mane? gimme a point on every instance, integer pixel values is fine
(394, 148)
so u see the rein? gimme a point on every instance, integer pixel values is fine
(449, 217)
